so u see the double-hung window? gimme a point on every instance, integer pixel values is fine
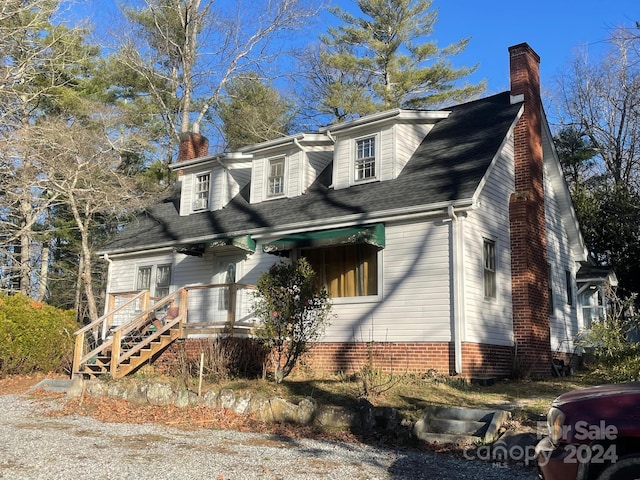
(201, 200)
(155, 278)
(365, 159)
(275, 179)
(489, 269)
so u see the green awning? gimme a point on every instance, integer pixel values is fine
(244, 242)
(371, 234)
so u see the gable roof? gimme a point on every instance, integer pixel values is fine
(445, 170)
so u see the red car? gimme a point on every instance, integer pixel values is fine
(594, 433)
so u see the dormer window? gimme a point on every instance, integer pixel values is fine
(365, 159)
(201, 200)
(275, 179)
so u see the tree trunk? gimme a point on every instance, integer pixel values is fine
(44, 272)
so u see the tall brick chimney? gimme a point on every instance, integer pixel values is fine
(529, 267)
(192, 145)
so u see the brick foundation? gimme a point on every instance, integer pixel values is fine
(327, 359)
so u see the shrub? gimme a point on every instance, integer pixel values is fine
(614, 342)
(294, 311)
(34, 336)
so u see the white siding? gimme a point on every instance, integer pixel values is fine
(408, 138)
(564, 319)
(186, 193)
(293, 174)
(415, 290)
(342, 162)
(490, 321)
(257, 180)
(217, 189)
(386, 154)
(317, 160)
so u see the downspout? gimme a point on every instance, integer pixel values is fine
(457, 274)
(106, 300)
(110, 262)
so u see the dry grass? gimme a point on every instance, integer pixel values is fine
(528, 400)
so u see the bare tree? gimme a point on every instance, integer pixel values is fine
(602, 100)
(184, 53)
(40, 64)
(81, 170)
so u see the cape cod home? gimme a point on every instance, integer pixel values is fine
(447, 240)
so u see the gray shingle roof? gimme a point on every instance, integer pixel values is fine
(447, 166)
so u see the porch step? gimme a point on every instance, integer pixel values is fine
(456, 425)
(101, 364)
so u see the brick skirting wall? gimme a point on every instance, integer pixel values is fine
(478, 360)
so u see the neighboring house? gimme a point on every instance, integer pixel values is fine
(447, 239)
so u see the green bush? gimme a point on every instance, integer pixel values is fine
(614, 342)
(34, 337)
(294, 311)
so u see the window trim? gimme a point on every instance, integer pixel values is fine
(569, 282)
(268, 161)
(377, 298)
(493, 270)
(355, 159)
(194, 204)
(153, 276)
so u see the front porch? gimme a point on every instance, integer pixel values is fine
(137, 327)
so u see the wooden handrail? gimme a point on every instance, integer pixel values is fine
(113, 346)
(103, 322)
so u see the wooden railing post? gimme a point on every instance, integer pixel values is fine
(115, 353)
(183, 309)
(77, 354)
(231, 312)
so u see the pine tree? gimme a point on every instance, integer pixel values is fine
(381, 60)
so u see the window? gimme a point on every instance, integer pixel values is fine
(365, 166)
(144, 278)
(275, 180)
(489, 267)
(346, 270)
(155, 278)
(569, 282)
(201, 200)
(163, 280)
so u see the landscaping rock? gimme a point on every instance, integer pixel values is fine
(210, 399)
(306, 411)
(160, 394)
(242, 403)
(283, 411)
(227, 398)
(336, 417)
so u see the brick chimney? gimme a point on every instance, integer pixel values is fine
(192, 145)
(529, 267)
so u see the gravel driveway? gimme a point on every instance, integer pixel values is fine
(36, 446)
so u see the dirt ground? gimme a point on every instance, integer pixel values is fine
(120, 411)
(17, 384)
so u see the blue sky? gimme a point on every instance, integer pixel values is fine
(554, 29)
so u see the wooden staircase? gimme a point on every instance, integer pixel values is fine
(103, 349)
(133, 354)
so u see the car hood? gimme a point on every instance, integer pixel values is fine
(592, 393)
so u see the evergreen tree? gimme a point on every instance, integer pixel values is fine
(382, 60)
(254, 112)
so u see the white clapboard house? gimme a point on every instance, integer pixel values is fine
(446, 238)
